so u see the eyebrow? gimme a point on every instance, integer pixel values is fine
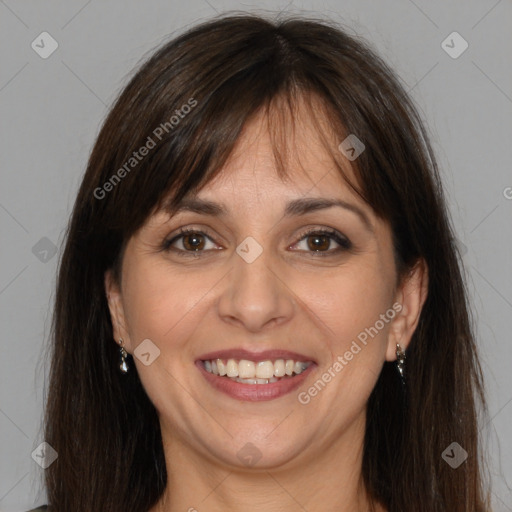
(296, 207)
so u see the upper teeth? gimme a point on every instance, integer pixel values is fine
(246, 369)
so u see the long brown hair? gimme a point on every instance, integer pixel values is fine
(101, 422)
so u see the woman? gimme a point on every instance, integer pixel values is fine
(260, 303)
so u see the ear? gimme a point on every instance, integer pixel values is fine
(115, 305)
(409, 299)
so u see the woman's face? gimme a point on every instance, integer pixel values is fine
(260, 291)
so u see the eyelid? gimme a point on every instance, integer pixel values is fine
(167, 243)
(322, 230)
(344, 242)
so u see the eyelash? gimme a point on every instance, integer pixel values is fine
(342, 241)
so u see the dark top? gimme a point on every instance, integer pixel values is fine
(42, 507)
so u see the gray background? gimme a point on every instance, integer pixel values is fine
(51, 110)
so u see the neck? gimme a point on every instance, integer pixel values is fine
(330, 480)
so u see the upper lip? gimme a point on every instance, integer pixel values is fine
(240, 353)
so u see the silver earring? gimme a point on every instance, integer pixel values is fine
(123, 366)
(400, 361)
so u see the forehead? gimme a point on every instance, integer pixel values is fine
(285, 163)
(251, 175)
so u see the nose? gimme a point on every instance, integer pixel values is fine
(256, 296)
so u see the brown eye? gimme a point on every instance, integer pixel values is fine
(193, 242)
(318, 242)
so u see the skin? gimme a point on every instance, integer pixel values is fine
(288, 298)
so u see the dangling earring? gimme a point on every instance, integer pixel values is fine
(123, 366)
(400, 362)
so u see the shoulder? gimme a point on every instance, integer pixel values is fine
(42, 507)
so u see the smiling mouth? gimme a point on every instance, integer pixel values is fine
(245, 371)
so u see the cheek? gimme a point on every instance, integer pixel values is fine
(347, 302)
(348, 306)
(162, 304)
(166, 307)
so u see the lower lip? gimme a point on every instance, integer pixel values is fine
(255, 392)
